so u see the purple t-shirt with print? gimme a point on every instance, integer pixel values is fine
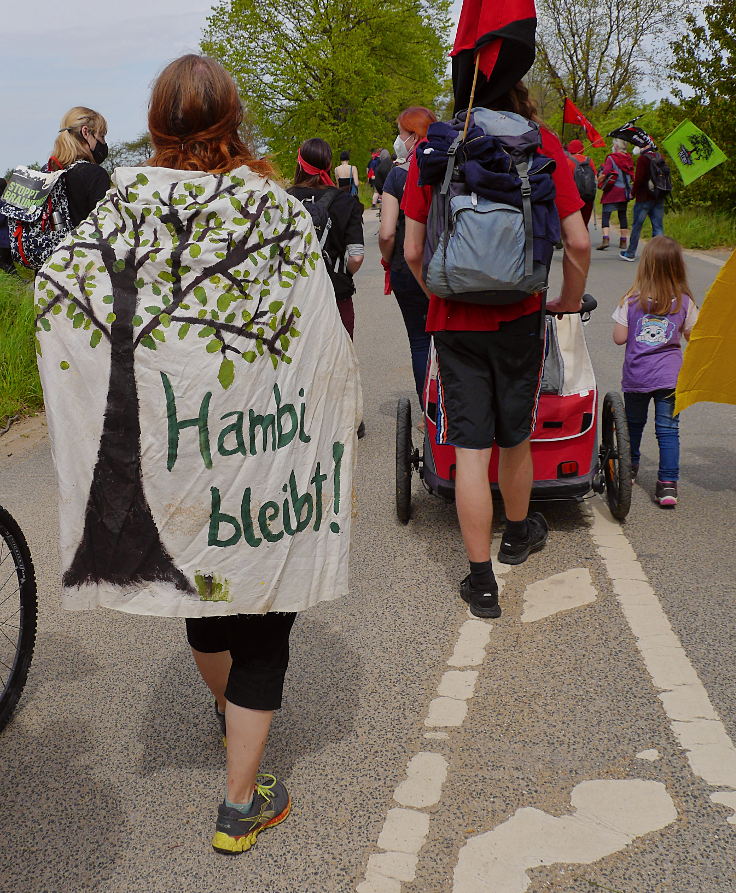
(653, 351)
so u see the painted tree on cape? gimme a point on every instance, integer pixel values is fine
(121, 543)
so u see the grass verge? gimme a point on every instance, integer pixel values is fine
(20, 386)
(701, 228)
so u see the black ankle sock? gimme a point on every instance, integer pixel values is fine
(516, 530)
(481, 575)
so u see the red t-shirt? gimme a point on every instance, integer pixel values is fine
(457, 316)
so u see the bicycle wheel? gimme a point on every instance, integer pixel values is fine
(18, 611)
(616, 455)
(403, 460)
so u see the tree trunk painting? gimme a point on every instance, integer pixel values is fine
(121, 544)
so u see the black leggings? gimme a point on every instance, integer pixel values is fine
(608, 209)
(259, 647)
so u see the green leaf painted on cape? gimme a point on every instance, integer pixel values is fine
(158, 335)
(152, 309)
(183, 329)
(226, 375)
(223, 302)
(64, 365)
(195, 250)
(275, 306)
(200, 294)
(212, 346)
(45, 324)
(95, 338)
(148, 342)
(137, 320)
(118, 265)
(249, 356)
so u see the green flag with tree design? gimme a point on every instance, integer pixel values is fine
(693, 152)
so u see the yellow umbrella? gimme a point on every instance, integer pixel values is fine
(709, 368)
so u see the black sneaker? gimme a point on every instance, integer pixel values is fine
(517, 552)
(237, 831)
(482, 604)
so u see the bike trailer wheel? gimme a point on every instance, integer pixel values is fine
(616, 455)
(403, 460)
(18, 610)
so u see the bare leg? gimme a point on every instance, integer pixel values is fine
(247, 732)
(215, 669)
(515, 477)
(473, 501)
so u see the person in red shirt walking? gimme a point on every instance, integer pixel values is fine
(614, 181)
(579, 164)
(490, 364)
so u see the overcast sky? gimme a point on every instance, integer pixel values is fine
(101, 55)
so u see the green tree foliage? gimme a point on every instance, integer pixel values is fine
(704, 63)
(600, 52)
(338, 69)
(132, 153)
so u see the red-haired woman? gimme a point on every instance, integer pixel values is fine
(208, 295)
(413, 124)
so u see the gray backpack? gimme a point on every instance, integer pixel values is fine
(492, 221)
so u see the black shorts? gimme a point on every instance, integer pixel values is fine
(259, 647)
(488, 384)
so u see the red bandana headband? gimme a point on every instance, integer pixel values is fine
(313, 171)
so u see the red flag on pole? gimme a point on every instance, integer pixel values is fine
(502, 33)
(572, 115)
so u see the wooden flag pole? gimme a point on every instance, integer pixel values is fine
(472, 95)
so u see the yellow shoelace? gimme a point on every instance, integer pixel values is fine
(265, 790)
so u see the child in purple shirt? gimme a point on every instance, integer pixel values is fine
(652, 316)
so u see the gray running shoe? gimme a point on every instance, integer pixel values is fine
(237, 831)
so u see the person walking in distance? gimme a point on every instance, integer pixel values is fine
(346, 174)
(342, 224)
(413, 302)
(650, 320)
(490, 362)
(80, 147)
(614, 181)
(584, 174)
(649, 197)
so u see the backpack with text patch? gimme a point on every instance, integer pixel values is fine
(37, 208)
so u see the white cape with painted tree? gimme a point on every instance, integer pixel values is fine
(202, 398)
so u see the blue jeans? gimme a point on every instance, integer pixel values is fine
(414, 305)
(666, 428)
(655, 211)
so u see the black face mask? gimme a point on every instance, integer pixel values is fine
(99, 153)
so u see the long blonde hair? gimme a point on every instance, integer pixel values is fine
(70, 145)
(661, 277)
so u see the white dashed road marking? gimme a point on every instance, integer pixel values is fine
(693, 719)
(607, 816)
(560, 592)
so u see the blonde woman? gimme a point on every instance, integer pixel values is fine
(81, 138)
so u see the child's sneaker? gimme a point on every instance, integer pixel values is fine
(665, 494)
(480, 602)
(237, 831)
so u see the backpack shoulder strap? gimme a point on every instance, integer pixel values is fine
(328, 198)
(522, 169)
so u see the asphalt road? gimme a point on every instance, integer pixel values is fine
(567, 746)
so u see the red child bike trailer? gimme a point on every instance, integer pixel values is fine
(569, 462)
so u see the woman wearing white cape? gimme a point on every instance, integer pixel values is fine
(202, 398)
